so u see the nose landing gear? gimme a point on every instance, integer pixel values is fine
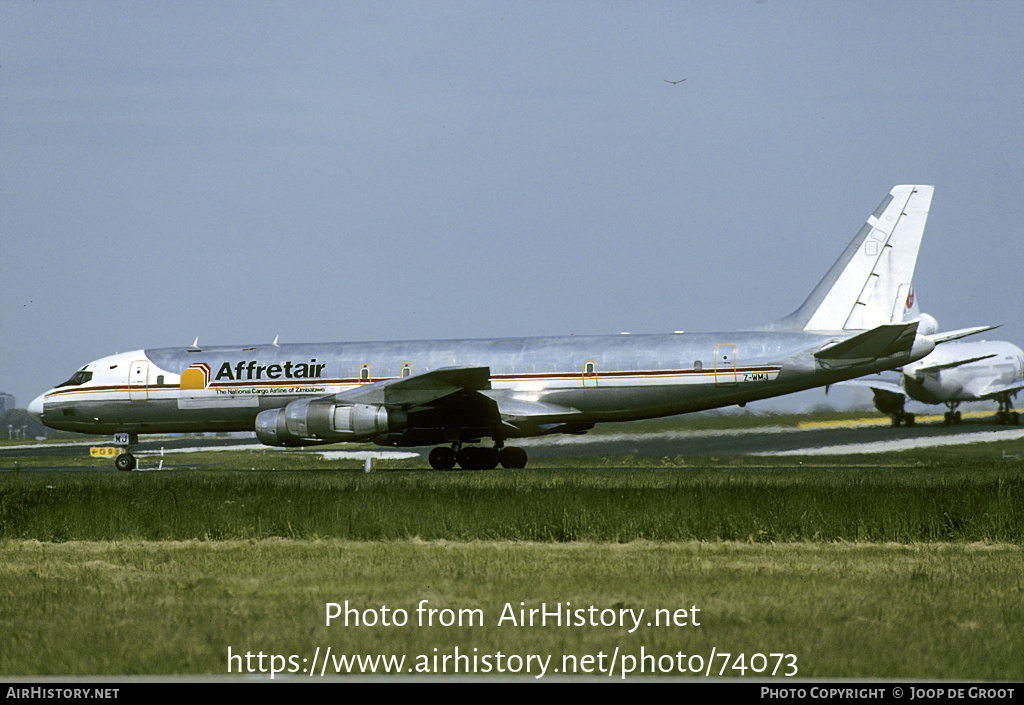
(952, 417)
(125, 461)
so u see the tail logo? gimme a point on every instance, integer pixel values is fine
(910, 298)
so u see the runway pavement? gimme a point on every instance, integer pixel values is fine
(856, 436)
(872, 434)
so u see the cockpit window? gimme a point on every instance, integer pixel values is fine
(80, 377)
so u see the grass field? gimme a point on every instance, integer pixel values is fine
(933, 611)
(908, 565)
(745, 503)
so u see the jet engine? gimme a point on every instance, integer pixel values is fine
(312, 421)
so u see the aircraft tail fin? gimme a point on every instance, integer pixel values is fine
(870, 283)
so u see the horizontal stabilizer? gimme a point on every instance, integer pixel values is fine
(882, 341)
(938, 338)
(420, 389)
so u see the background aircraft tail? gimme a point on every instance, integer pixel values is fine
(870, 283)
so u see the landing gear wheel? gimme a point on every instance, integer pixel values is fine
(899, 418)
(512, 458)
(1010, 418)
(125, 462)
(442, 458)
(476, 458)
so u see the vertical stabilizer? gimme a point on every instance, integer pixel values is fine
(870, 284)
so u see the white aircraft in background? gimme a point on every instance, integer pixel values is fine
(952, 374)
(451, 393)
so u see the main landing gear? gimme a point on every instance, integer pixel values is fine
(477, 458)
(1006, 414)
(892, 403)
(900, 418)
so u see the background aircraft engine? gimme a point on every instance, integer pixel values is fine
(312, 421)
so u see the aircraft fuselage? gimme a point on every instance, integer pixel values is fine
(578, 380)
(1001, 364)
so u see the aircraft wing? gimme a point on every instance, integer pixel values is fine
(931, 369)
(380, 409)
(420, 390)
(458, 388)
(997, 391)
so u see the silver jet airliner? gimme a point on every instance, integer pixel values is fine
(456, 393)
(962, 371)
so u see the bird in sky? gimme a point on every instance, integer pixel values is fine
(674, 83)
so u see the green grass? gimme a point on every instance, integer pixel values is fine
(958, 493)
(753, 503)
(907, 565)
(932, 611)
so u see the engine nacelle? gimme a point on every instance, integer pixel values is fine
(312, 421)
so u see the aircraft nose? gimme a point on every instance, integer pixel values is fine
(36, 406)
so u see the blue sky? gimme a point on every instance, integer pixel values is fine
(329, 171)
